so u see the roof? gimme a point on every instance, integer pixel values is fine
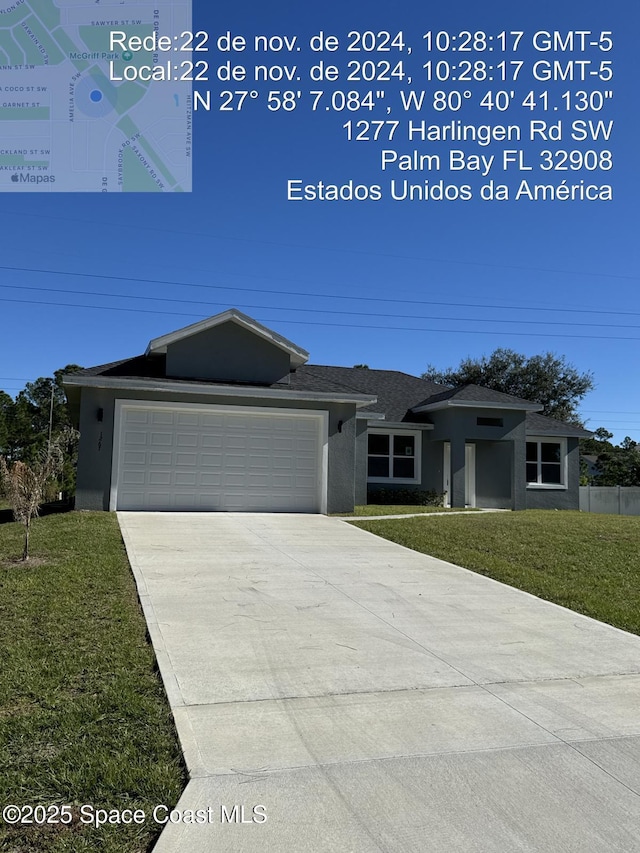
(297, 354)
(475, 395)
(399, 396)
(537, 424)
(397, 392)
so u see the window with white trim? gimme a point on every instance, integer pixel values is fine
(546, 460)
(393, 457)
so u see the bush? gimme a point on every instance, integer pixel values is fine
(405, 497)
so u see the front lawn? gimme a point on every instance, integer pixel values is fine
(83, 715)
(403, 509)
(589, 563)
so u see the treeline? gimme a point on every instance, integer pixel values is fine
(605, 464)
(38, 415)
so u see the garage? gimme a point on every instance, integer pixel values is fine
(197, 457)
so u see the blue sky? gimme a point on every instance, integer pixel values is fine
(394, 285)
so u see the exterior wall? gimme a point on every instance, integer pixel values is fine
(207, 356)
(568, 498)
(362, 448)
(96, 442)
(458, 426)
(500, 462)
(432, 464)
(493, 474)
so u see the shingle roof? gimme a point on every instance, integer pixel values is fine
(475, 394)
(139, 367)
(397, 392)
(537, 424)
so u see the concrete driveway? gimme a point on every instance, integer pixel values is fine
(369, 698)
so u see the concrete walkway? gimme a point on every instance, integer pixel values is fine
(374, 699)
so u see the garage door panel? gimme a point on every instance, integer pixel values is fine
(233, 481)
(134, 478)
(160, 418)
(207, 479)
(157, 459)
(186, 479)
(158, 500)
(211, 460)
(187, 439)
(306, 483)
(186, 459)
(258, 461)
(135, 438)
(258, 481)
(235, 460)
(204, 460)
(258, 442)
(305, 464)
(159, 478)
(235, 442)
(137, 416)
(280, 462)
(209, 503)
(187, 419)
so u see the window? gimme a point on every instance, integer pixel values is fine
(393, 456)
(497, 422)
(546, 462)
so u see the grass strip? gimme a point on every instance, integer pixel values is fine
(401, 509)
(83, 714)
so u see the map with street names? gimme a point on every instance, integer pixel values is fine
(64, 125)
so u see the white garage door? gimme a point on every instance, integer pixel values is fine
(210, 458)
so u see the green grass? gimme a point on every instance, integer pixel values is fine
(384, 509)
(83, 715)
(589, 563)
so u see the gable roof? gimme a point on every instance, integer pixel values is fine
(396, 396)
(390, 392)
(475, 395)
(149, 372)
(158, 346)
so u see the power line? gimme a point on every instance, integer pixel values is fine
(330, 325)
(318, 295)
(589, 274)
(316, 310)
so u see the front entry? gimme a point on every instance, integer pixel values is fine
(469, 474)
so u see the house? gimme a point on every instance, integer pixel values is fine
(226, 414)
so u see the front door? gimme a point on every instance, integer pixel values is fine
(469, 474)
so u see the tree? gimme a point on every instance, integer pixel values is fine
(547, 379)
(600, 441)
(6, 408)
(41, 410)
(619, 466)
(24, 485)
(39, 413)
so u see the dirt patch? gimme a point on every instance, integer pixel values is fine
(18, 563)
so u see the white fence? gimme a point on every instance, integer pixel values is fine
(615, 500)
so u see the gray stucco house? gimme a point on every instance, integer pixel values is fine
(227, 415)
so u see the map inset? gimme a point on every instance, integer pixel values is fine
(64, 125)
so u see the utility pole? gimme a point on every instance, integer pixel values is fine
(51, 417)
